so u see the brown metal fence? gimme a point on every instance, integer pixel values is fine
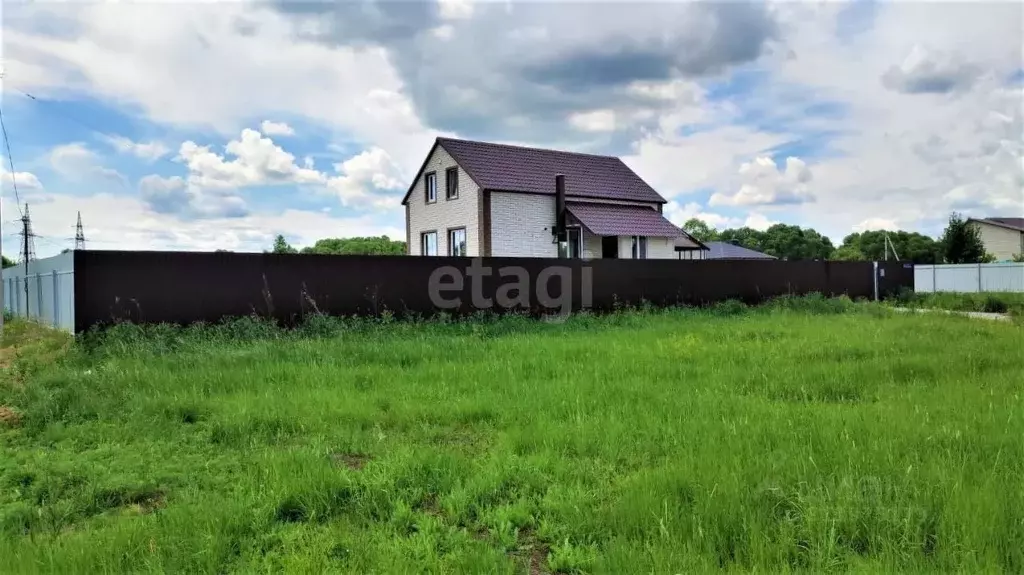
(185, 287)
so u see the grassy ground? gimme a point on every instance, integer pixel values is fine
(990, 302)
(664, 442)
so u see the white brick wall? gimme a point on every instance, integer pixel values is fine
(657, 248)
(444, 214)
(521, 225)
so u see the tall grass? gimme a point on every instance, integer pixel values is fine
(811, 434)
(989, 302)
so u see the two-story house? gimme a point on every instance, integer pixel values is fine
(483, 199)
(1003, 237)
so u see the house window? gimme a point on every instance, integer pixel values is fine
(428, 244)
(451, 178)
(639, 247)
(430, 182)
(457, 242)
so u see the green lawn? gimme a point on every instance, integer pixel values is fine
(644, 442)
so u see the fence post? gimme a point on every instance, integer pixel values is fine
(39, 295)
(935, 278)
(874, 266)
(56, 301)
(979, 277)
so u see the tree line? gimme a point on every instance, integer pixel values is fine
(959, 243)
(367, 246)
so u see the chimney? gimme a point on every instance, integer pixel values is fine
(734, 242)
(559, 229)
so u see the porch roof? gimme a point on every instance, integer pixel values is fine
(622, 220)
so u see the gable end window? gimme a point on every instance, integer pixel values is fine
(428, 244)
(430, 187)
(457, 242)
(451, 178)
(639, 247)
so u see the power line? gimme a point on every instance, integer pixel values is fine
(10, 158)
(55, 109)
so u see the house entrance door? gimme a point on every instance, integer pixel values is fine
(609, 247)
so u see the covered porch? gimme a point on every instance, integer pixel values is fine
(626, 231)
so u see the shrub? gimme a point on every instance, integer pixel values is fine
(994, 304)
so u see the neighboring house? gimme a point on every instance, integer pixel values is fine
(1003, 237)
(731, 251)
(483, 199)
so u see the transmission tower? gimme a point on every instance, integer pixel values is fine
(79, 234)
(28, 243)
(28, 250)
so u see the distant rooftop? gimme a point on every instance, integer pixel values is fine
(1013, 223)
(728, 251)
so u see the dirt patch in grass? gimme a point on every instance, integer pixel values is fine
(148, 504)
(533, 553)
(353, 461)
(431, 506)
(9, 417)
(137, 500)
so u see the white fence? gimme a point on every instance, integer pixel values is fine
(969, 278)
(47, 294)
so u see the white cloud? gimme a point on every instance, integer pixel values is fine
(763, 184)
(144, 150)
(758, 221)
(925, 71)
(77, 162)
(678, 214)
(876, 224)
(675, 164)
(594, 120)
(24, 180)
(214, 183)
(257, 161)
(276, 129)
(444, 32)
(363, 175)
(455, 9)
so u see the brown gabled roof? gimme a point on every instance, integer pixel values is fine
(1012, 223)
(501, 167)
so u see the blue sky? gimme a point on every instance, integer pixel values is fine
(223, 125)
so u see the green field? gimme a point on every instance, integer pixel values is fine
(809, 435)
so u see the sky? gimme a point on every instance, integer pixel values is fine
(218, 125)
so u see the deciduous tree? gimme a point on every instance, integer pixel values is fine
(281, 246)
(962, 243)
(700, 230)
(910, 246)
(372, 246)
